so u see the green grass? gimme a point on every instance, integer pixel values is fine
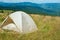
(48, 29)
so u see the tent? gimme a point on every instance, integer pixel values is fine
(19, 21)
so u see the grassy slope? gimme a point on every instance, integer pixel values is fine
(49, 29)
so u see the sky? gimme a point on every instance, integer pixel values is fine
(33, 1)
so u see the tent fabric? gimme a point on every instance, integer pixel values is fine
(22, 22)
(11, 26)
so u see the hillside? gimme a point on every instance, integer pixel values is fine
(52, 9)
(49, 29)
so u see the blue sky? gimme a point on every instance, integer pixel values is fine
(34, 1)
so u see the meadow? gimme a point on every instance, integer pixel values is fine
(48, 28)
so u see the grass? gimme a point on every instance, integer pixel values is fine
(48, 29)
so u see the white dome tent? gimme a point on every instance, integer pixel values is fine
(19, 21)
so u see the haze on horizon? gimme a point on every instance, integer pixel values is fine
(33, 1)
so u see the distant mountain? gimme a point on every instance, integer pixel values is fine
(51, 6)
(45, 9)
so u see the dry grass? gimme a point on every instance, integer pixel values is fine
(49, 29)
